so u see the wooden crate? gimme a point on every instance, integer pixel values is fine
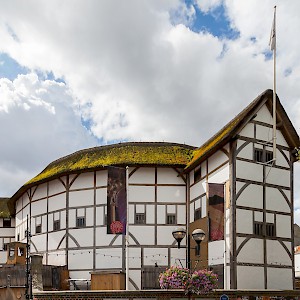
(108, 280)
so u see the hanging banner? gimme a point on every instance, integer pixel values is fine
(216, 211)
(116, 200)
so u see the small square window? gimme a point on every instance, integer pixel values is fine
(38, 229)
(140, 218)
(56, 225)
(197, 214)
(269, 156)
(80, 222)
(6, 222)
(18, 237)
(171, 219)
(197, 174)
(259, 155)
(258, 228)
(5, 247)
(270, 230)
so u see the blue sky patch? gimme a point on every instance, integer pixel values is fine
(9, 68)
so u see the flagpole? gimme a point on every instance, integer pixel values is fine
(273, 45)
(127, 230)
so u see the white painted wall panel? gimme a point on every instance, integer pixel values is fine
(83, 236)
(135, 276)
(198, 189)
(140, 208)
(216, 160)
(276, 201)
(101, 178)
(109, 258)
(40, 192)
(102, 238)
(57, 202)
(56, 258)
(250, 171)
(203, 207)
(280, 140)
(220, 176)
(100, 215)
(192, 212)
(3, 257)
(81, 259)
(150, 214)
(55, 187)
(143, 176)
(251, 196)
(39, 242)
(156, 255)
(244, 221)
(141, 193)
(143, 234)
(264, 133)
(161, 214)
(79, 275)
(134, 257)
(281, 160)
(89, 216)
(278, 176)
(168, 175)
(264, 115)
(54, 238)
(280, 279)
(216, 253)
(181, 214)
(276, 254)
(131, 214)
(164, 235)
(39, 207)
(7, 232)
(81, 198)
(248, 131)
(171, 194)
(72, 218)
(101, 196)
(177, 256)
(244, 273)
(247, 151)
(84, 180)
(283, 226)
(252, 252)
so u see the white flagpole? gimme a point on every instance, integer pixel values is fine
(127, 230)
(273, 47)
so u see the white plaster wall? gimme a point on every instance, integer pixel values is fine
(219, 176)
(276, 254)
(81, 259)
(40, 192)
(143, 234)
(101, 196)
(248, 131)
(109, 258)
(56, 258)
(57, 202)
(297, 265)
(101, 178)
(252, 252)
(141, 193)
(171, 194)
(280, 140)
(100, 215)
(83, 236)
(247, 151)
(143, 176)
(250, 277)
(281, 160)
(135, 275)
(251, 196)
(79, 275)
(216, 253)
(250, 171)
(283, 226)
(216, 160)
(55, 187)
(84, 180)
(135, 260)
(150, 214)
(89, 220)
(54, 238)
(178, 255)
(244, 221)
(198, 189)
(168, 176)
(39, 241)
(181, 214)
(155, 255)
(161, 214)
(264, 115)
(276, 201)
(164, 235)
(81, 198)
(280, 279)
(38, 207)
(264, 133)
(131, 214)
(7, 232)
(3, 257)
(102, 238)
(278, 176)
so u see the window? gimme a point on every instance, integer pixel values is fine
(269, 156)
(270, 229)
(140, 218)
(171, 219)
(197, 214)
(6, 222)
(38, 229)
(5, 247)
(197, 174)
(18, 237)
(258, 228)
(259, 155)
(80, 222)
(56, 225)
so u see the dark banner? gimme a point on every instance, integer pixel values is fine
(216, 211)
(116, 200)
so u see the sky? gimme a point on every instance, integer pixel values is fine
(76, 74)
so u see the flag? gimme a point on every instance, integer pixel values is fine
(272, 42)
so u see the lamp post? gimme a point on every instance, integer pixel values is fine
(198, 236)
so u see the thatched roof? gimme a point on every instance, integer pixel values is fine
(6, 211)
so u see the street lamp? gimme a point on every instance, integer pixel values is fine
(198, 236)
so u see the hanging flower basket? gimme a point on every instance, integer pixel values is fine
(199, 282)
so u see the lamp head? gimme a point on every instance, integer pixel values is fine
(179, 233)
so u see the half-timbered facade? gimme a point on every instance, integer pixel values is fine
(230, 187)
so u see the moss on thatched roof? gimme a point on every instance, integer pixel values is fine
(164, 154)
(5, 211)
